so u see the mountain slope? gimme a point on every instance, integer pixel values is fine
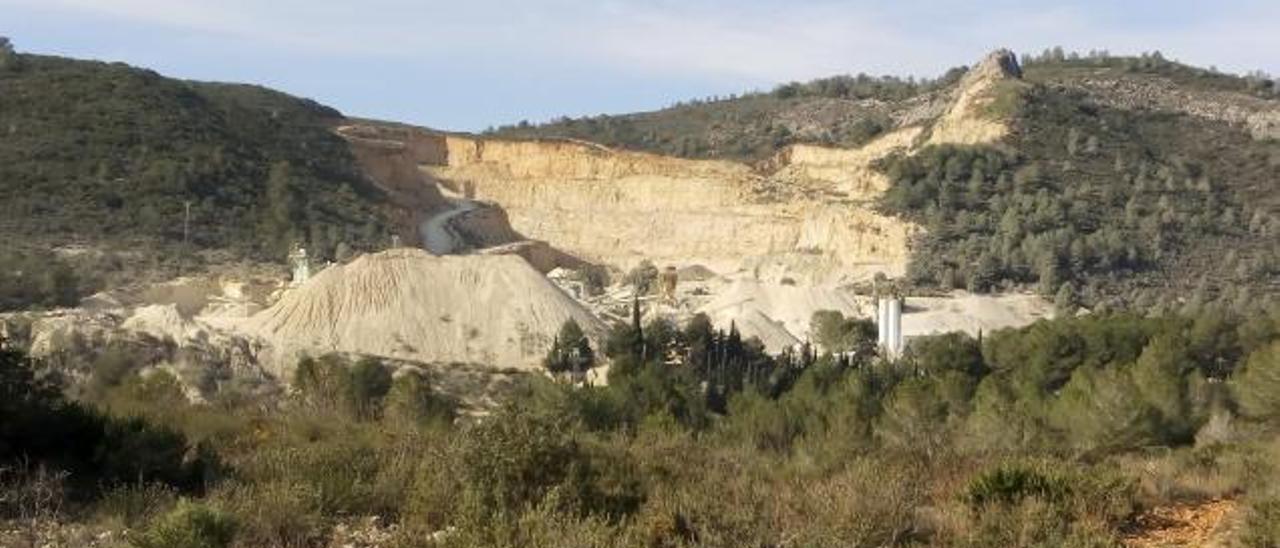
(106, 155)
(1118, 185)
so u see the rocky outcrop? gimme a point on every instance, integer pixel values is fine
(975, 115)
(154, 337)
(1259, 117)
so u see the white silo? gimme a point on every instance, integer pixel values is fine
(893, 347)
(889, 325)
(882, 326)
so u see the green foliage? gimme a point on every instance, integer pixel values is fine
(332, 384)
(411, 398)
(1146, 201)
(370, 382)
(37, 279)
(570, 351)
(1048, 504)
(524, 460)
(108, 155)
(643, 278)
(842, 111)
(1055, 64)
(98, 450)
(1029, 437)
(835, 333)
(1257, 387)
(1010, 484)
(1262, 524)
(8, 58)
(188, 525)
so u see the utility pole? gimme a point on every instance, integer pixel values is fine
(186, 234)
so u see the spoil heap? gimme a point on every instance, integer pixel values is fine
(407, 304)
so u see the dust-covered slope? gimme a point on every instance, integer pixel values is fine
(407, 304)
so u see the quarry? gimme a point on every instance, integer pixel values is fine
(1016, 304)
(762, 246)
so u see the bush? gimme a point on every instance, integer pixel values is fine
(1262, 524)
(133, 505)
(1048, 504)
(1009, 484)
(1257, 385)
(412, 399)
(275, 513)
(189, 525)
(643, 277)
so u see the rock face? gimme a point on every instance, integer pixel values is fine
(806, 214)
(619, 207)
(406, 304)
(389, 156)
(974, 116)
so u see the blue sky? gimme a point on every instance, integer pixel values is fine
(469, 64)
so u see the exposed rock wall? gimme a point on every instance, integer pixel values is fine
(807, 213)
(620, 207)
(970, 120)
(390, 156)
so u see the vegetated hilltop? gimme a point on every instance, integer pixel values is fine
(105, 155)
(844, 111)
(1122, 181)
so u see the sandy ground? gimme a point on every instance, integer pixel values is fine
(1201, 524)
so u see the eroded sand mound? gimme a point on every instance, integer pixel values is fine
(407, 304)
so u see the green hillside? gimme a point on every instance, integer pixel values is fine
(841, 111)
(1101, 206)
(106, 156)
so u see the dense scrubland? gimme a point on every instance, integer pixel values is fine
(1057, 434)
(106, 158)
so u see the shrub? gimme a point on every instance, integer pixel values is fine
(134, 505)
(1010, 484)
(189, 525)
(1048, 503)
(412, 399)
(643, 277)
(275, 512)
(1262, 524)
(1257, 386)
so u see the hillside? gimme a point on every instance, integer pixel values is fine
(103, 157)
(1113, 181)
(850, 110)
(844, 111)
(1095, 180)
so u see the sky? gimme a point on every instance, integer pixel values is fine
(470, 64)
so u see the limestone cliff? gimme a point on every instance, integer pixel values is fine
(807, 213)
